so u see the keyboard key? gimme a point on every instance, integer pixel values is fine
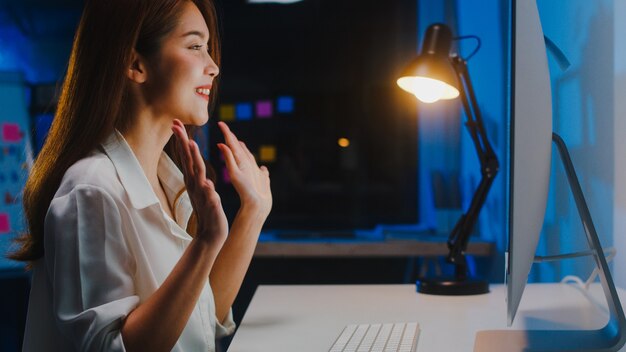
(369, 338)
(343, 338)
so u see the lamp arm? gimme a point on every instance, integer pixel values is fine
(474, 124)
(459, 237)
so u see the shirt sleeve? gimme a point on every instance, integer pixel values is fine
(90, 268)
(227, 327)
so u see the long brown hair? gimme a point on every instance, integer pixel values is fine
(95, 94)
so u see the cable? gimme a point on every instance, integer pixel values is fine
(552, 258)
(610, 254)
(574, 279)
(478, 44)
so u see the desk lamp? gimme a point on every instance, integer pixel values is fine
(437, 74)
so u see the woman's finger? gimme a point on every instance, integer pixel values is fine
(232, 142)
(181, 157)
(179, 129)
(229, 158)
(198, 163)
(188, 160)
(183, 149)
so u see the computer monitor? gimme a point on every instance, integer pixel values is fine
(530, 145)
(530, 149)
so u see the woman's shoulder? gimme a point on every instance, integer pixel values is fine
(96, 170)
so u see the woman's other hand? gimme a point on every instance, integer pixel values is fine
(251, 182)
(212, 223)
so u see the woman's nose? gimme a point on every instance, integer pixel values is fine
(211, 68)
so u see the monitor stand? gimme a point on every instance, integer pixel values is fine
(611, 337)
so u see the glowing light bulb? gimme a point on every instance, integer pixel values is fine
(428, 94)
(428, 90)
(343, 142)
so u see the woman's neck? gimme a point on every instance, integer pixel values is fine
(147, 137)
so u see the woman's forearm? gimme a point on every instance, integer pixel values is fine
(157, 323)
(234, 258)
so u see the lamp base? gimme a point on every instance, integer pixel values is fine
(452, 286)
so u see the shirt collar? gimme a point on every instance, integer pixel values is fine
(133, 178)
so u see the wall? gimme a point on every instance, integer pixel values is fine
(15, 161)
(36, 38)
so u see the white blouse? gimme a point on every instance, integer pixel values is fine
(108, 246)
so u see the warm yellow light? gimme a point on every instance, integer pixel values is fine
(343, 142)
(428, 90)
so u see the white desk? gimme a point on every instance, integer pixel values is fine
(309, 318)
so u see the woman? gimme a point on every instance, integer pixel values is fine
(127, 252)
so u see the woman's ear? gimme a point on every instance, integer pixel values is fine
(137, 70)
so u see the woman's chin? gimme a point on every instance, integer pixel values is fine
(196, 120)
(203, 121)
(204, 118)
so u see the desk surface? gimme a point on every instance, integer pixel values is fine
(309, 318)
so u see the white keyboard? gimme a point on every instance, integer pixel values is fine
(391, 337)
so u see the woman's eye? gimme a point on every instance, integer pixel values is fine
(196, 47)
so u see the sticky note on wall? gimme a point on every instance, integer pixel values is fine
(227, 112)
(264, 109)
(10, 199)
(243, 111)
(285, 105)
(11, 133)
(267, 153)
(5, 226)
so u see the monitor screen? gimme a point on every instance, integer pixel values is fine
(310, 87)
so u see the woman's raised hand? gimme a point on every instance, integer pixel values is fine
(251, 182)
(212, 222)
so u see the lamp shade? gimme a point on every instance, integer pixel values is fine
(430, 76)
